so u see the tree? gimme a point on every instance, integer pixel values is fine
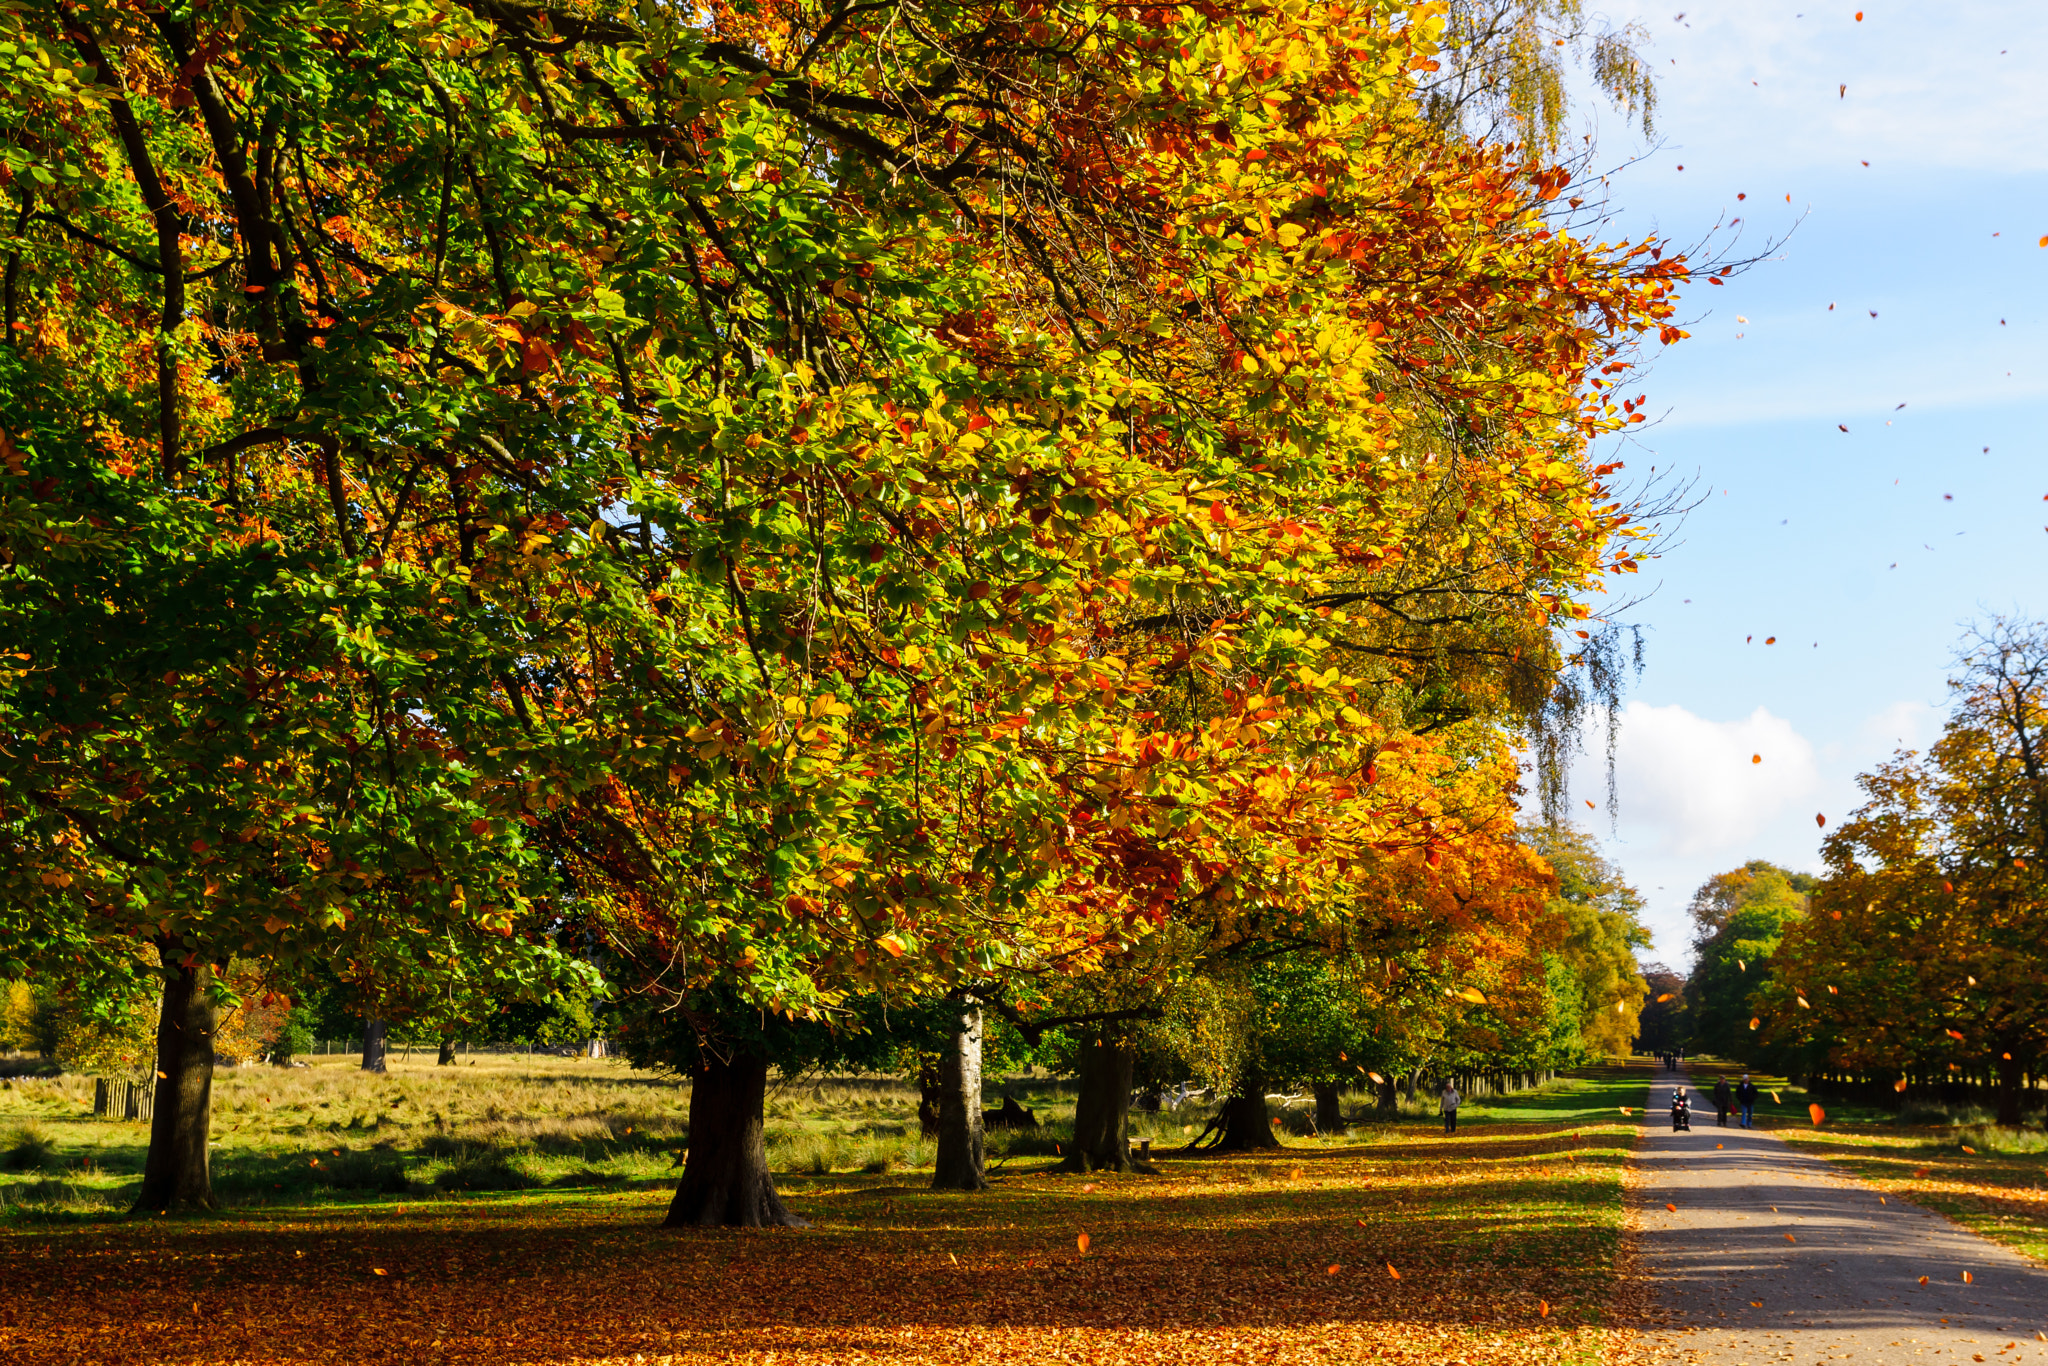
(1925, 954)
(1741, 916)
(1602, 931)
(865, 548)
(1662, 1025)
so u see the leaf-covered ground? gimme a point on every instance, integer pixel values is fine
(1282, 1259)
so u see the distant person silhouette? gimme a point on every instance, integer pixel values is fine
(1449, 1103)
(1745, 1096)
(1723, 1097)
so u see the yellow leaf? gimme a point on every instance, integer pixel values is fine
(1471, 994)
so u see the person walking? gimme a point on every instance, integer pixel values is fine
(1745, 1096)
(1448, 1101)
(1723, 1094)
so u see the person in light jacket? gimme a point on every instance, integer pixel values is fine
(1448, 1101)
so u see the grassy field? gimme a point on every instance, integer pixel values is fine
(1390, 1243)
(1989, 1179)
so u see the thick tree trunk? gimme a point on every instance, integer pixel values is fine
(1102, 1113)
(725, 1173)
(1246, 1125)
(175, 1176)
(447, 1058)
(1330, 1108)
(373, 1043)
(959, 1163)
(2009, 1095)
(1389, 1095)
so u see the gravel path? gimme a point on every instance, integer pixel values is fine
(1772, 1256)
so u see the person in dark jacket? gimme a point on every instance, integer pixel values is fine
(1745, 1096)
(1723, 1096)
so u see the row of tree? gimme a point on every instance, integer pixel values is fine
(1040, 506)
(1919, 959)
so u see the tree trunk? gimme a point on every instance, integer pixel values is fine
(373, 1043)
(1102, 1112)
(447, 1058)
(1246, 1125)
(959, 1163)
(1330, 1108)
(725, 1173)
(175, 1176)
(1390, 1096)
(2009, 1095)
(930, 1087)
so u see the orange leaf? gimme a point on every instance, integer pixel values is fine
(1082, 1243)
(1391, 1272)
(1820, 1116)
(1899, 1085)
(1754, 1021)
(1756, 1304)
(1543, 1308)
(1756, 758)
(1923, 1280)
(1819, 819)
(1966, 1278)
(1673, 1208)
(1968, 1149)
(1790, 1239)
(1334, 1268)
(1921, 1172)
(1665, 996)
(379, 1271)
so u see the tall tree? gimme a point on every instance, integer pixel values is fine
(1926, 952)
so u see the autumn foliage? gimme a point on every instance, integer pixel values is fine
(822, 501)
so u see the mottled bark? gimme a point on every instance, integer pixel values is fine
(959, 1164)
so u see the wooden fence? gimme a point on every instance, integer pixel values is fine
(119, 1098)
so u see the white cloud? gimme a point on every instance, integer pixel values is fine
(1694, 788)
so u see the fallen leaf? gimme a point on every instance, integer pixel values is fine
(1334, 1268)
(1756, 1304)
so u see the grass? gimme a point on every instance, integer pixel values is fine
(436, 1232)
(1950, 1159)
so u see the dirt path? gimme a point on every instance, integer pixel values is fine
(1772, 1256)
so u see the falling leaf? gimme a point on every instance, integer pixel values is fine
(1665, 996)
(1967, 1278)
(1673, 1208)
(1819, 819)
(1790, 1239)
(1082, 1242)
(379, 1271)
(1756, 758)
(1923, 1280)
(1819, 1115)
(1543, 1309)
(1842, 93)
(1968, 1149)
(1755, 1020)
(1334, 1268)
(1882, 1201)
(1899, 1086)
(1922, 1172)
(1591, 807)
(1391, 1272)
(1775, 1100)
(1471, 994)
(1377, 1079)
(1089, 1187)
(1756, 1304)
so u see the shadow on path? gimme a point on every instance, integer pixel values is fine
(1772, 1255)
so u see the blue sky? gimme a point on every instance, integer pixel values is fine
(1865, 552)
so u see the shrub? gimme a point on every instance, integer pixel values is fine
(28, 1149)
